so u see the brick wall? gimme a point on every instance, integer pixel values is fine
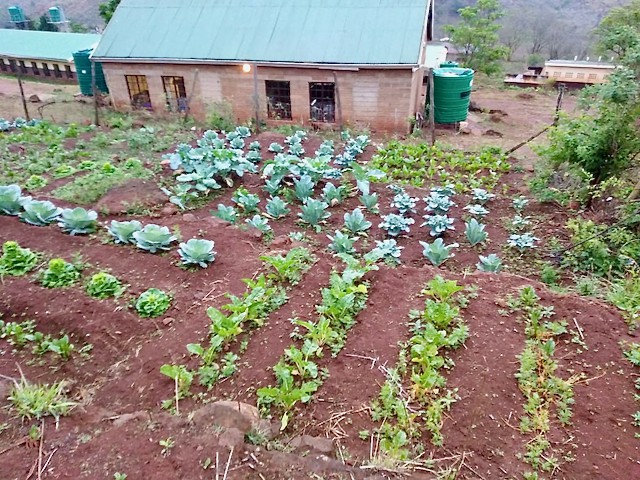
(382, 100)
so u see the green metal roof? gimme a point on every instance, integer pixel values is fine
(44, 45)
(354, 32)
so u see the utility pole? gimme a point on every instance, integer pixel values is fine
(256, 97)
(24, 100)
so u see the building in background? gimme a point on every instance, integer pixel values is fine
(46, 55)
(310, 62)
(572, 73)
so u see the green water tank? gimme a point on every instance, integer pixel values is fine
(56, 15)
(82, 61)
(452, 94)
(449, 64)
(16, 14)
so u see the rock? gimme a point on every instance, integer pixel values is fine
(231, 437)
(168, 210)
(128, 417)
(5, 388)
(474, 107)
(318, 444)
(492, 133)
(281, 241)
(189, 217)
(230, 415)
(168, 321)
(216, 222)
(42, 97)
(134, 194)
(463, 127)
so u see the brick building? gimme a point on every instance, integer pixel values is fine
(357, 62)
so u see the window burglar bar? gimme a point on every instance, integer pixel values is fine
(176, 93)
(278, 100)
(138, 91)
(323, 102)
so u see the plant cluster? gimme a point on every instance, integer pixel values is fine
(22, 334)
(152, 303)
(59, 274)
(104, 285)
(16, 260)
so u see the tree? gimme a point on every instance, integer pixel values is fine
(476, 36)
(107, 9)
(45, 26)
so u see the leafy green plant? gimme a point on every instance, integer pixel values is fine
(11, 199)
(475, 232)
(248, 202)
(549, 274)
(519, 222)
(59, 274)
(153, 238)
(228, 214)
(491, 263)
(481, 196)
(438, 203)
(276, 148)
(333, 195)
(304, 188)
(355, 222)
(370, 202)
(437, 252)
(152, 303)
(277, 208)
(37, 401)
(388, 250)
(438, 224)
(404, 203)
(260, 223)
(104, 285)
(78, 221)
(519, 203)
(313, 212)
(16, 260)
(394, 224)
(522, 242)
(632, 353)
(197, 252)
(342, 243)
(122, 232)
(476, 210)
(39, 212)
(292, 266)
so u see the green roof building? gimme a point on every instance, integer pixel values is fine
(311, 62)
(42, 54)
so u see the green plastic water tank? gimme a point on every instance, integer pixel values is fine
(452, 94)
(16, 14)
(56, 15)
(83, 72)
(449, 64)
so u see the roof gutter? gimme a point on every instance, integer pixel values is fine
(321, 66)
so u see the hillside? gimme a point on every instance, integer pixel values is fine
(81, 11)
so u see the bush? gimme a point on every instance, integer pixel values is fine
(220, 117)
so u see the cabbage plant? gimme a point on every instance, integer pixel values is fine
(333, 195)
(491, 263)
(446, 191)
(356, 222)
(197, 251)
(78, 221)
(260, 223)
(153, 238)
(152, 303)
(277, 208)
(387, 250)
(304, 188)
(122, 232)
(228, 214)
(248, 202)
(437, 252)
(395, 224)
(276, 148)
(438, 224)
(438, 204)
(11, 199)
(313, 212)
(481, 196)
(519, 203)
(404, 203)
(522, 242)
(40, 212)
(476, 210)
(475, 232)
(342, 243)
(370, 202)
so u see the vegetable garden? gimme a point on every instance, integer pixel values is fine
(375, 311)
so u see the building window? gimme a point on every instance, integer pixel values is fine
(67, 69)
(322, 99)
(176, 93)
(23, 68)
(580, 75)
(56, 70)
(3, 66)
(12, 66)
(138, 91)
(45, 69)
(556, 74)
(568, 75)
(278, 100)
(34, 68)
(592, 76)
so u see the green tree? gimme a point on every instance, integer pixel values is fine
(476, 36)
(45, 26)
(107, 9)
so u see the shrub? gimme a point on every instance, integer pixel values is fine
(220, 116)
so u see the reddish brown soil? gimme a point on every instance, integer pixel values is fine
(121, 375)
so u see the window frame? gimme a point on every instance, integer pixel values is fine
(34, 68)
(67, 69)
(322, 102)
(139, 82)
(278, 95)
(46, 70)
(56, 71)
(175, 93)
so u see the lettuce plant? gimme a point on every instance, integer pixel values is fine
(370, 202)
(313, 212)
(522, 242)
(152, 303)
(438, 204)
(476, 210)
(237, 143)
(78, 221)
(475, 232)
(341, 243)
(255, 146)
(481, 196)
(197, 251)
(438, 224)
(11, 199)
(254, 156)
(437, 252)
(104, 285)
(16, 260)
(333, 195)
(153, 238)
(248, 202)
(404, 203)
(39, 212)
(387, 250)
(59, 274)
(355, 222)
(395, 224)
(122, 232)
(276, 148)
(296, 149)
(304, 188)
(446, 191)
(491, 263)
(260, 223)
(277, 208)
(228, 214)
